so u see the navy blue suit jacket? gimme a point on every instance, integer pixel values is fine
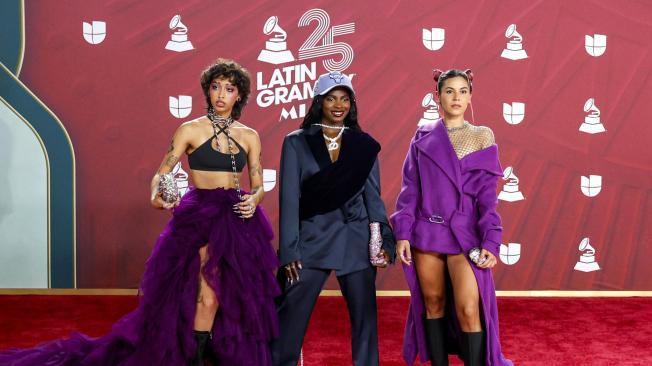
(338, 239)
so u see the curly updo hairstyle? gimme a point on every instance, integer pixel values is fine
(236, 74)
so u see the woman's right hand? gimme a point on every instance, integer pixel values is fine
(292, 271)
(403, 251)
(158, 203)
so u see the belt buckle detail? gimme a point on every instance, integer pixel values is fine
(436, 219)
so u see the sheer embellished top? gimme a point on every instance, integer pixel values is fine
(206, 157)
(468, 138)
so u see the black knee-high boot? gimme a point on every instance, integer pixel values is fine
(201, 337)
(472, 351)
(435, 330)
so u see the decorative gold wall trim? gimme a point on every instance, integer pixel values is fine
(21, 54)
(334, 293)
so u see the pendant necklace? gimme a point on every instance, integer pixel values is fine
(332, 141)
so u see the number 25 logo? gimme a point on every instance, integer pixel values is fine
(310, 49)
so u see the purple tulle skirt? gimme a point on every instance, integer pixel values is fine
(159, 332)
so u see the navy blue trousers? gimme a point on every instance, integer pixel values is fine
(296, 303)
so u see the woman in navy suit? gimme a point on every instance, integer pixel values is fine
(329, 198)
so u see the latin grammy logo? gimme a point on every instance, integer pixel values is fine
(514, 49)
(181, 178)
(587, 261)
(180, 107)
(510, 192)
(595, 45)
(275, 51)
(510, 253)
(514, 113)
(433, 39)
(592, 123)
(431, 114)
(269, 179)
(179, 40)
(95, 32)
(591, 185)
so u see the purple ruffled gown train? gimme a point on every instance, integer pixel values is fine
(159, 332)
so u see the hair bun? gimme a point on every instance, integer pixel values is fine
(469, 73)
(436, 73)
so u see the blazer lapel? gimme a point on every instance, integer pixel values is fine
(437, 146)
(317, 146)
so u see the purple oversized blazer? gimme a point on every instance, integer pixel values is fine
(450, 203)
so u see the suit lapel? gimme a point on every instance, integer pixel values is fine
(317, 146)
(437, 146)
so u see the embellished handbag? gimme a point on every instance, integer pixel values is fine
(167, 187)
(375, 245)
(475, 255)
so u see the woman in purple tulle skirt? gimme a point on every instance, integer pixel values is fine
(209, 283)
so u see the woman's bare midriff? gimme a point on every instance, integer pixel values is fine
(211, 180)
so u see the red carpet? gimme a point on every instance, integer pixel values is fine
(534, 331)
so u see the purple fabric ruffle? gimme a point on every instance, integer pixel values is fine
(159, 332)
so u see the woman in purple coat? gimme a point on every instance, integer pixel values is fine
(446, 208)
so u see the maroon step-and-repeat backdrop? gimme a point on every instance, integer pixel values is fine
(565, 86)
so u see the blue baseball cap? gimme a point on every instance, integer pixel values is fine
(331, 80)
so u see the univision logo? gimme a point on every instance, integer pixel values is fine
(595, 45)
(180, 106)
(269, 179)
(95, 32)
(510, 253)
(434, 38)
(591, 185)
(514, 113)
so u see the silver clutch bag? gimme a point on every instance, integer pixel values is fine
(167, 187)
(375, 245)
(474, 255)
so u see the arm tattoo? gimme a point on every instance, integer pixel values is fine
(171, 161)
(171, 146)
(257, 169)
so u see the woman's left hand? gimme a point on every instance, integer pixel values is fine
(382, 254)
(487, 260)
(247, 207)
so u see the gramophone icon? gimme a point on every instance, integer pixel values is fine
(587, 261)
(275, 51)
(181, 178)
(592, 122)
(179, 40)
(431, 114)
(514, 49)
(510, 192)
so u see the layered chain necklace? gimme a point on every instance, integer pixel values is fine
(332, 141)
(223, 124)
